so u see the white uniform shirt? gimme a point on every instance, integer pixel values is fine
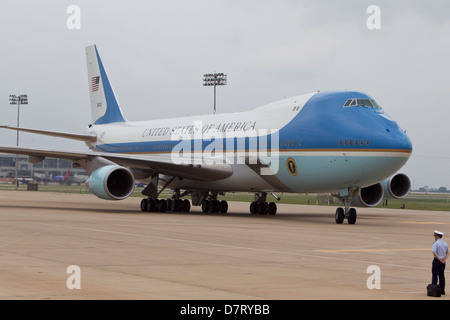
(440, 248)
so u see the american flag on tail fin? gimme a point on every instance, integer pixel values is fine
(95, 83)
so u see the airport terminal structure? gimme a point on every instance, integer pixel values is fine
(48, 170)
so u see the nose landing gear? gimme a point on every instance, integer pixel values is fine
(347, 212)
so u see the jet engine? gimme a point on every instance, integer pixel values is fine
(369, 196)
(397, 187)
(111, 182)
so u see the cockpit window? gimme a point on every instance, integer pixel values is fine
(368, 103)
(375, 104)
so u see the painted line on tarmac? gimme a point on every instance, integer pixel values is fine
(229, 246)
(422, 222)
(372, 250)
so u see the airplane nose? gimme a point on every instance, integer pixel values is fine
(399, 140)
(405, 142)
(395, 137)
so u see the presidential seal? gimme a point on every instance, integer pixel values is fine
(291, 166)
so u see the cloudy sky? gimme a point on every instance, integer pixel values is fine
(156, 53)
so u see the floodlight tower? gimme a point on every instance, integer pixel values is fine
(21, 99)
(215, 79)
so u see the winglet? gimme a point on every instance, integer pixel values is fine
(104, 105)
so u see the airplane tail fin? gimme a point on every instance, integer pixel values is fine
(67, 175)
(104, 105)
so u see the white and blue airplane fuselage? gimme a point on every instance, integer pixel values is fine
(339, 142)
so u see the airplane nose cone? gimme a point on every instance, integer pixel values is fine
(404, 142)
(396, 137)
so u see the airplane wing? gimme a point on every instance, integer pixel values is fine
(73, 136)
(150, 164)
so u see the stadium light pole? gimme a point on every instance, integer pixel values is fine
(215, 79)
(18, 100)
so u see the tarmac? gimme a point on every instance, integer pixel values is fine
(121, 253)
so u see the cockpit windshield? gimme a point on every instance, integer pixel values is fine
(368, 103)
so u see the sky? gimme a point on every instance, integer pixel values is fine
(156, 53)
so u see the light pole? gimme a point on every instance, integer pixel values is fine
(21, 99)
(215, 79)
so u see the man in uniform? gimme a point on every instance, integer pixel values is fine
(440, 253)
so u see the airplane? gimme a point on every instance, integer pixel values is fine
(339, 142)
(46, 177)
(61, 179)
(77, 179)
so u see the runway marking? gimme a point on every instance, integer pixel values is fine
(422, 222)
(372, 250)
(15, 241)
(231, 246)
(406, 292)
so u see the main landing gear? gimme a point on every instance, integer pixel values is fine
(210, 204)
(261, 207)
(347, 212)
(154, 204)
(165, 205)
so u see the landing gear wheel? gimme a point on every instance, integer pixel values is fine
(205, 206)
(213, 206)
(351, 216)
(272, 208)
(169, 204)
(144, 205)
(223, 206)
(162, 205)
(175, 205)
(185, 206)
(340, 215)
(262, 208)
(253, 207)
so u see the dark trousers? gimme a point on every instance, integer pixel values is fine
(438, 272)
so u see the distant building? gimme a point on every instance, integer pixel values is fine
(49, 167)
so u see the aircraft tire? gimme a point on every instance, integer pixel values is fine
(262, 208)
(213, 206)
(175, 205)
(340, 215)
(205, 206)
(185, 206)
(253, 208)
(152, 205)
(162, 205)
(351, 216)
(272, 208)
(144, 205)
(169, 204)
(223, 206)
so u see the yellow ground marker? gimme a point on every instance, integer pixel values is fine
(372, 250)
(422, 222)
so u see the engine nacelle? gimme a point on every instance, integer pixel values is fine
(111, 182)
(397, 186)
(369, 196)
